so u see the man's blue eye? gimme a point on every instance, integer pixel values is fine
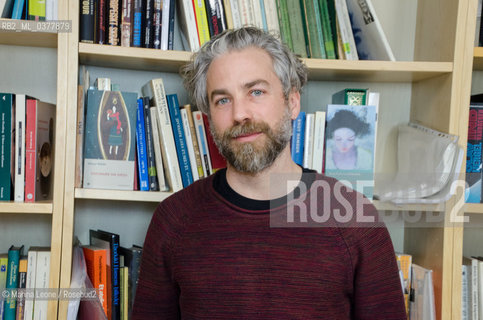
(222, 101)
(257, 92)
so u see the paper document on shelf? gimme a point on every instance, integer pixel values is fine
(422, 305)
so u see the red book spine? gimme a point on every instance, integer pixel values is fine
(30, 150)
(217, 160)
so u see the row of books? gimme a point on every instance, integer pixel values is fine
(37, 10)
(27, 148)
(128, 23)
(341, 141)
(472, 288)
(323, 29)
(23, 277)
(147, 143)
(113, 270)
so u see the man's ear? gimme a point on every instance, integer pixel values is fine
(294, 103)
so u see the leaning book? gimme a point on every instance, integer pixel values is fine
(110, 140)
(350, 142)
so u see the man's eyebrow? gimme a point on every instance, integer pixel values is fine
(217, 92)
(254, 83)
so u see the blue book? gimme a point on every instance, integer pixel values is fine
(10, 307)
(298, 139)
(18, 9)
(152, 174)
(180, 140)
(141, 147)
(137, 23)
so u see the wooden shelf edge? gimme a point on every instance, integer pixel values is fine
(121, 195)
(12, 34)
(478, 58)
(474, 208)
(388, 206)
(319, 69)
(26, 208)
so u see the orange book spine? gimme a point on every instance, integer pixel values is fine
(96, 263)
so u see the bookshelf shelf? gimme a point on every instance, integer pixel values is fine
(20, 37)
(478, 58)
(320, 69)
(143, 196)
(27, 208)
(474, 208)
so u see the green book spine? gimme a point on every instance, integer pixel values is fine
(14, 254)
(5, 145)
(326, 27)
(351, 96)
(307, 32)
(315, 10)
(284, 23)
(333, 24)
(296, 28)
(36, 10)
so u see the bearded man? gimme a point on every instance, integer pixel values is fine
(227, 246)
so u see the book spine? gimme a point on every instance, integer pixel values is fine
(96, 264)
(284, 21)
(115, 265)
(36, 10)
(246, 12)
(305, 27)
(228, 14)
(137, 24)
(79, 154)
(188, 28)
(22, 282)
(12, 283)
(165, 17)
(31, 275)
(189, 144)
(179, 139)
(296, 28)
(3, 281)
(20, 148)
(272, 16)
(17, 10)
(42, 282)
(152, 175)
(319, 139)
(257, 14)
(87, 21)
(201, 21)
(308, 140)
(263, 12)
(157, 151)
(235, 14)
(216, 16)
(345, 30)
(113, 30)
(327, 29)
(141, 148)
(5, 145)
(126, 23)
(202, 142)
(149, 26)
(314, 26)
(217, 160)
(157, 23)
(194, 140)
(474, 154)
(101, 22)
(298, 139)
(170, 156)
(172, 14)
(319, 28)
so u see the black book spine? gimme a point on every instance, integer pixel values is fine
(172, 12)
(216, 16)
(87, 21)
(152, 175)
(157, 19)
(147, 32)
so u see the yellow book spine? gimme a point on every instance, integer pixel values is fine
(201, 21)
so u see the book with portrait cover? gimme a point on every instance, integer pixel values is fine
(110, 140)
(349, 146)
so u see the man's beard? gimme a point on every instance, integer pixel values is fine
(249, 157)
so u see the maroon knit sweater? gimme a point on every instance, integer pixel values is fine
(206, 258)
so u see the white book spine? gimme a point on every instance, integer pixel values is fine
(157, 150)
(480, 289)
(474, 287)
(165, 25)
(464, 292)
(167, 144)
(189, 143)
(246, 12)
(188, 25)
(373, 100)
(42, 282)
(319, 139)
(309, 140)
(202, 142)
(272, 17)
(19, 193)
(257, 13)
(348, 42)
(30, 283)
(235, 14)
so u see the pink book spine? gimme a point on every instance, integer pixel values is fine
(30, 150)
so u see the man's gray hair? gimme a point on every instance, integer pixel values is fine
(288, 68)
